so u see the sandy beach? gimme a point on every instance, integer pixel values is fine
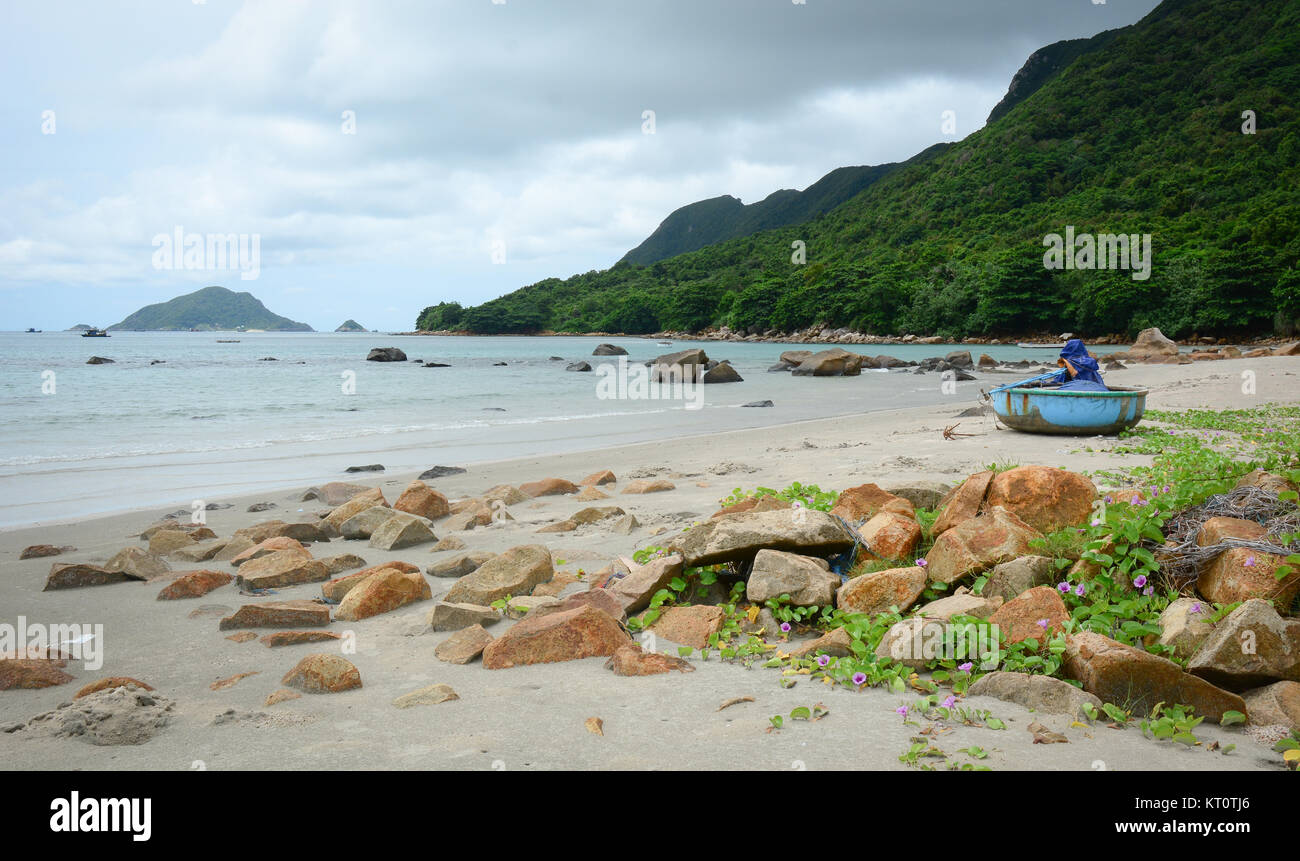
(533, 717)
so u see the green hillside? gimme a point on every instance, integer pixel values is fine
(209, 308)
(1141, 136)
(718, 219)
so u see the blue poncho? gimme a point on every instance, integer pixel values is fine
(1086, 377)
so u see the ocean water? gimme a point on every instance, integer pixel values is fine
(211, 418)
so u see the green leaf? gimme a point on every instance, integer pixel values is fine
(801, 713)
(1232, 717)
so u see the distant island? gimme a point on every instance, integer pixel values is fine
(209, 309)
(350, 326)
(80, 327)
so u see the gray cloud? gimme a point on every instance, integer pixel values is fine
(475, 121)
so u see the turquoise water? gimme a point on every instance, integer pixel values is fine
(211, 419)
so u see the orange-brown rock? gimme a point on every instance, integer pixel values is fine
(888, 535)
(421, 500)
(279, 696)
(278, 614)
(690, 625)
(270, 545)
(766, 502)
(866, 500)
(632, 660)
(598, 478)
(1265, 481)
(1038, 613)
(836, 643)
(1046, 498)
(354, 506)
(323, 674)
(582, 632)
(75, 575)
(463, 646)
(194, 584)
(242, 637)
(548, 487)
(558, 583)
(1122, 674)
(169, 541)
(962, 502)
(111, 682)
(335, 590)
(381, 592)
(1217, 529)
(36, 551)
(224, 684)
(28, 673)
(878, 591)
(648, 485)
(281, 568)
(293, 638)
(1239, 574)
(977, 545)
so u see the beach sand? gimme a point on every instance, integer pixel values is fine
(533, 717)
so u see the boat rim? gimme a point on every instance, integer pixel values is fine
(1110, 393)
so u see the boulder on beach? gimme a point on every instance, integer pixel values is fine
(835, 362)
(880, 591)
(335, 590)
(1047, 499)
(684, 366)
(278, 614)
(335, 492)
(365, 523)
(977, 544)
(381, 592)
(76, 575)
(547, 487)
(608, 350)
(440, 472)
(806, 579)
(722, 373)
(570, 635)
(581, 367)
(515, 572)
(739, 537)
(402, 530)
(420, 499)
(1151, 347)
(323, 674)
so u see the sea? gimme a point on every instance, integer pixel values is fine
(184, 416)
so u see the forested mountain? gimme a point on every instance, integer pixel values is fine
(209, 308)
(1144, 134)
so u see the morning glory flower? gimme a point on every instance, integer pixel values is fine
(1096, 522)
(1166, 490)
(921, 563)
(902, 710)
(1140, 580)
(1148, 591)
(1080, 590)
(785, 627)
(1109, 500)
(1250, 562)
(1196, 608)
(1042, 623)
(1063, 587)
(823, 660)
(1136, 500)
(966, 667)
(859, 679)
(948, 703)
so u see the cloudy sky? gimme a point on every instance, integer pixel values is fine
(388, 154)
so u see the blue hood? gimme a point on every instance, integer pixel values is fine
(1084, 364)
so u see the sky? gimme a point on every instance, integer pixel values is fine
(385, 155)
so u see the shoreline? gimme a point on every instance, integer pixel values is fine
(667, 721)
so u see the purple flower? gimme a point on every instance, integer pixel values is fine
(1140, 580)
(1166, 488)
(1063, 587)
(948, 703)
(1148, 591)
(966, 667)
(785, 627)
(1196, 608)
(1136, 500)
(1109, 500)
(1080, 590)
(1042, 623)
(921, 563)
(902, 710)
(823, 660)
(1250, 562)
(859, 679)
(1154, 492)
(1096, 522)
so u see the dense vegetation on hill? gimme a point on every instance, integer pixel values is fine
(350, 326)
(718, 219)
(209, 308)
(1140, 135)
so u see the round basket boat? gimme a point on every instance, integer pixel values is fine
(1068, 412)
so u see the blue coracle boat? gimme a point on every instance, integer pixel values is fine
(1071, 413)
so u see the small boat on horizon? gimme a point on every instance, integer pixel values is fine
(94, 333)
(34, 331)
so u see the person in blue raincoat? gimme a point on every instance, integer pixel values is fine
(1079, 370)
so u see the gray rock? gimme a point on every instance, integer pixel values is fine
(402, 530)
(515, 572)
(740, 536)
(458, 566)
(1009, 579)
(1040, 693)
(448, 616)
(1249, 647)
(386, 354)
(807, 580)
(364, 523)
